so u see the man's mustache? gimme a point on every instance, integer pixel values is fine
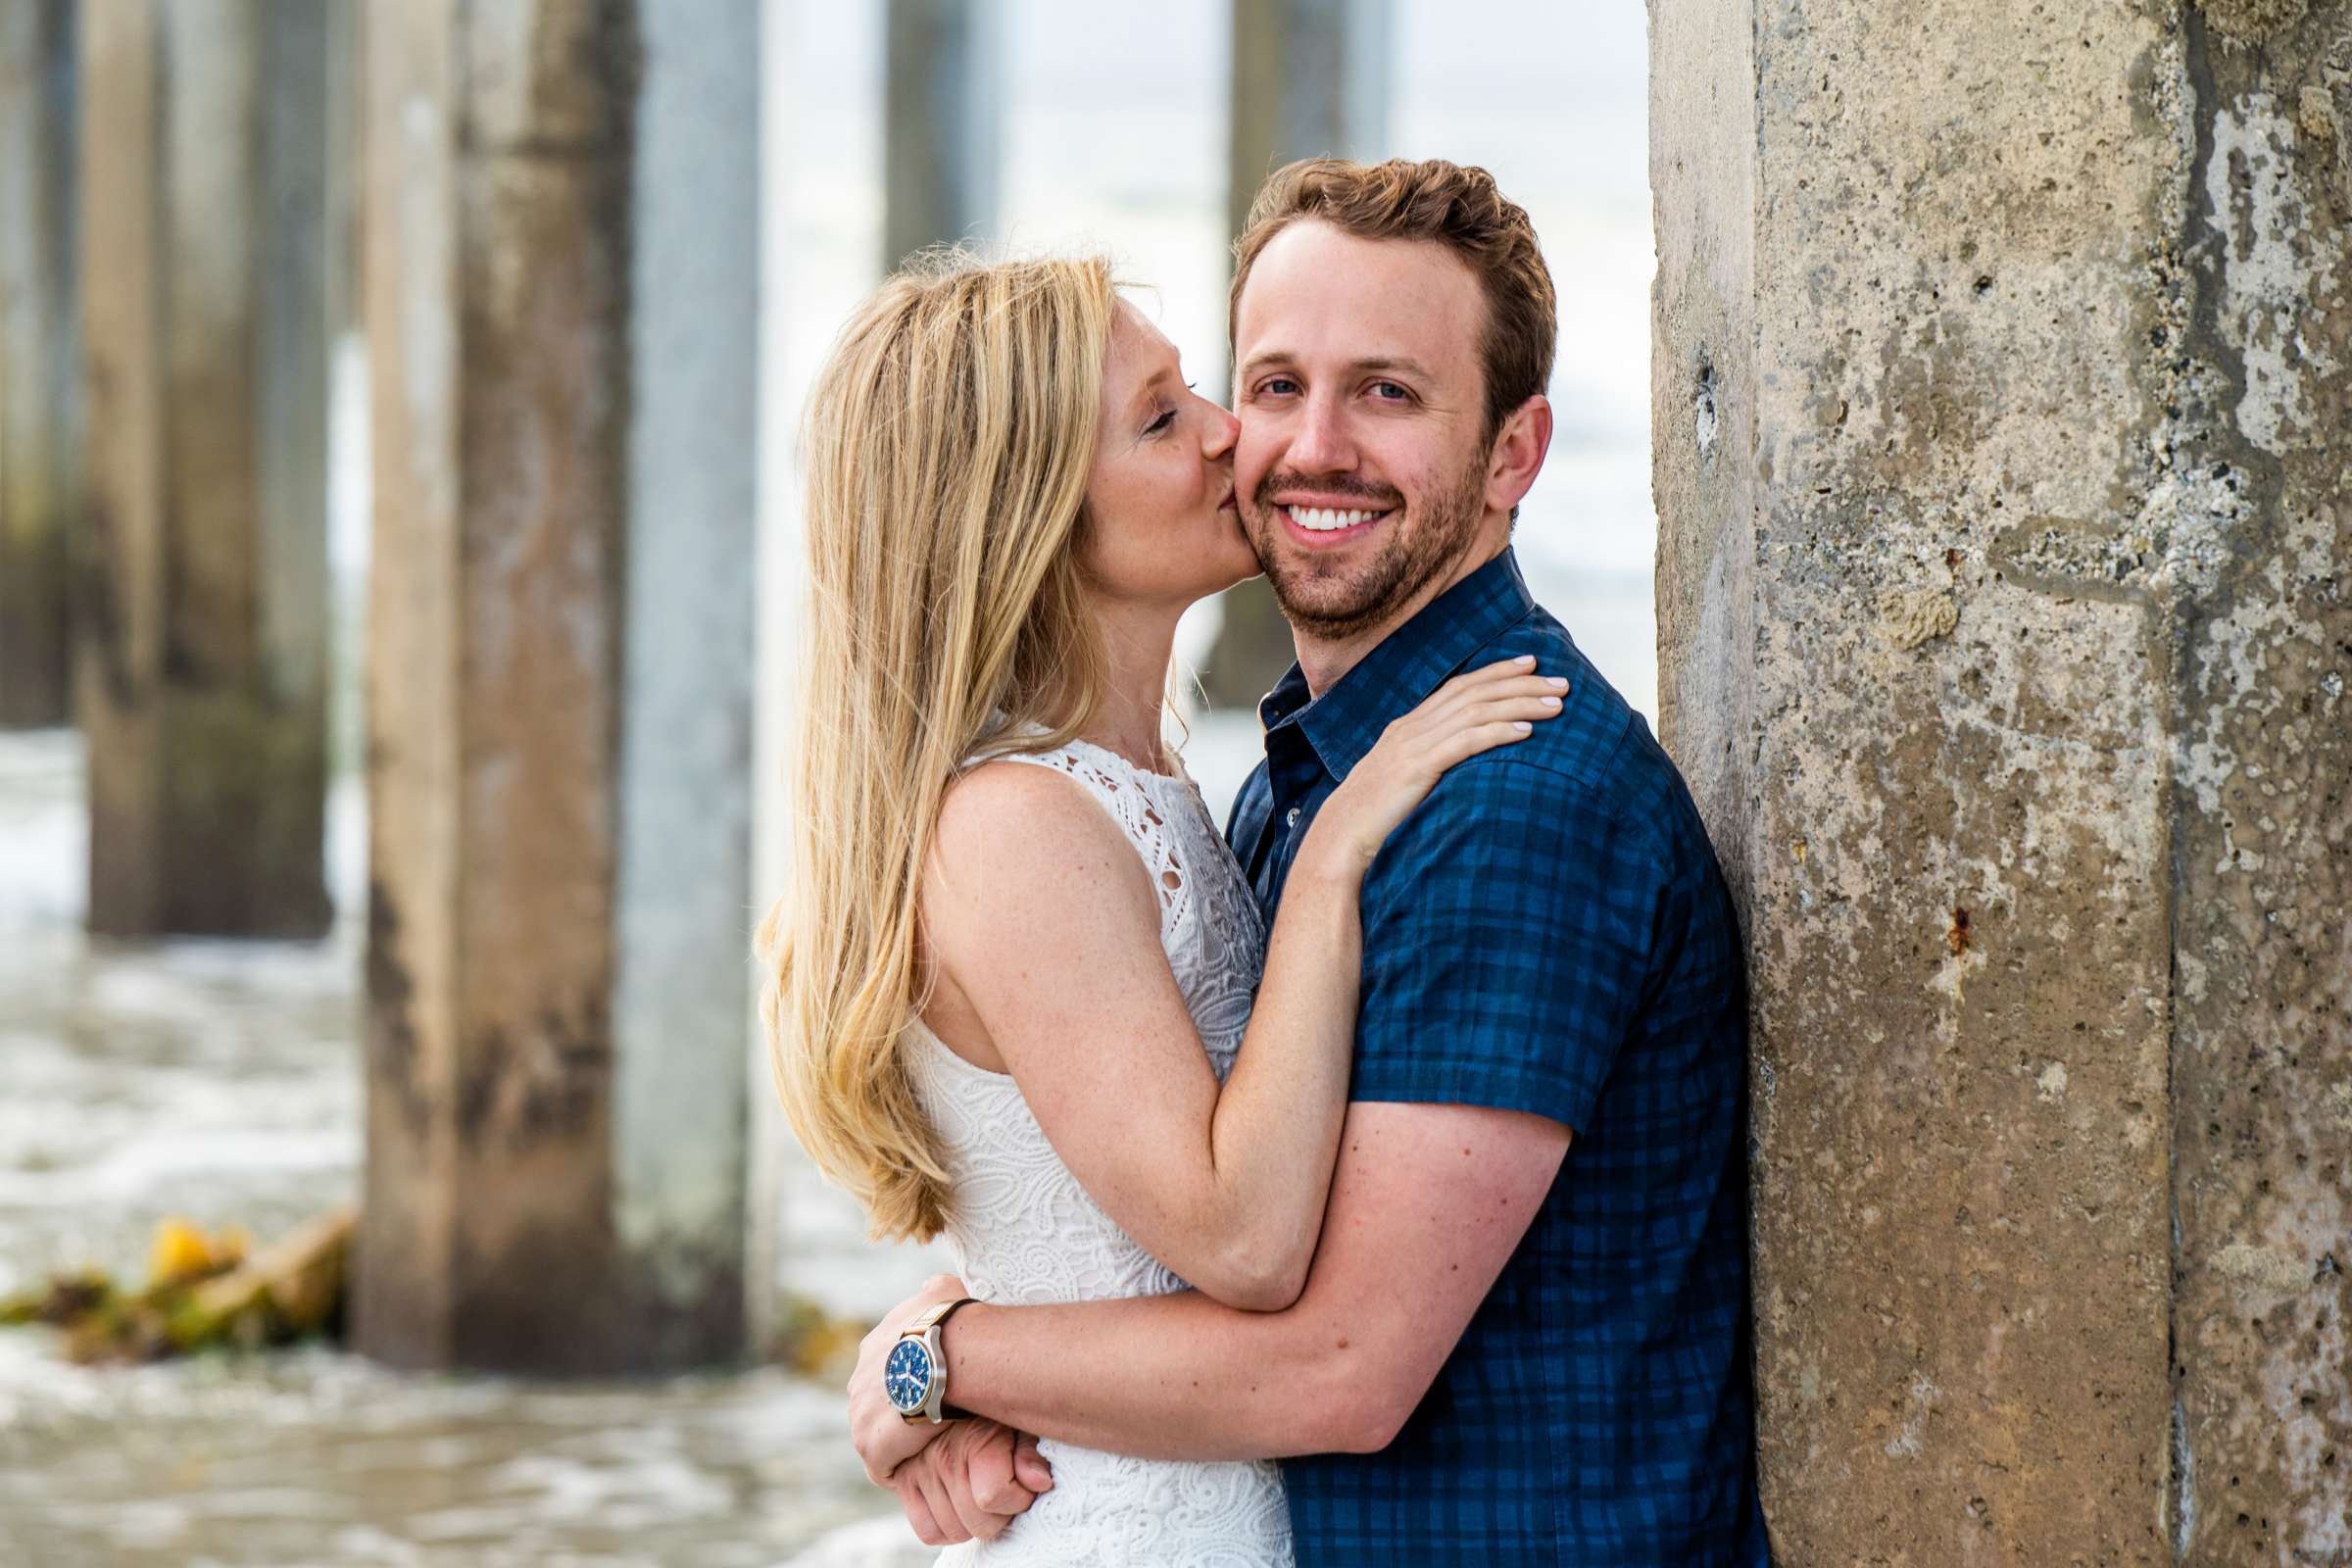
(1333, 485)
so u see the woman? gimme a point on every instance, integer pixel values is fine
(1011, 990)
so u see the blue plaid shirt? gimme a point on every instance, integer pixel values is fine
(1548, 932)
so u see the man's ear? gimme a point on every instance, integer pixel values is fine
(1518, 455)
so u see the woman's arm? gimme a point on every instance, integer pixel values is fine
(1043, 930)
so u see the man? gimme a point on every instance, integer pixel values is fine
(1524, 1338)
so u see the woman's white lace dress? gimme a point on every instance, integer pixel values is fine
(1024, 1230)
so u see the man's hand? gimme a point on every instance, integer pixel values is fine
(970, 1483)
(886, 1440)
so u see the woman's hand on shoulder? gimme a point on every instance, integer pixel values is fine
(1475, 712)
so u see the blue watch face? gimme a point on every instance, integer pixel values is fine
(907, 1375)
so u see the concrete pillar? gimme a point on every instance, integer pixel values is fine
(771, 1151)
(41, 353)
(2003, 408)
(943, 105)
(561, 231)
(342, 218)
(201, 620)
(1311, 80)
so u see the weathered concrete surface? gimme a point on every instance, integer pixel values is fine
(943, 123)
(41, 353)
(516, 1214)
(200, 605)
(2001, 373)
(685, 1058)
(2262, 789)
(495, 289)
(1311, 80)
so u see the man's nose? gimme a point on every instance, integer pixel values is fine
(1321, 442)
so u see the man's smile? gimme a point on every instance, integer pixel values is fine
(1322, 522)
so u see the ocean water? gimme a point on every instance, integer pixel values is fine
(220, 1081)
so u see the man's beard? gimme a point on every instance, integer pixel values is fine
(1327, 600)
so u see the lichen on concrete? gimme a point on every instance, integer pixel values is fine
(2315, 112)
(2273, 266)
(2262, 1268)
(1911, 617)
(2250, 20)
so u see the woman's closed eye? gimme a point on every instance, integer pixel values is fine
(1167, 415)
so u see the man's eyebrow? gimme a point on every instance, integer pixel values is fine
(1259, 360)
(1400, 363)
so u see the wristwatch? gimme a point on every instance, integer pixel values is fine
(915, 1376)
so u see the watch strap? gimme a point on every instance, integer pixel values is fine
(935, 1315)
(937, 1318)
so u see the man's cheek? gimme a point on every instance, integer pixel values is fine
(1253, 457)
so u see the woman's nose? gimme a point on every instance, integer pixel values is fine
(1222, 432)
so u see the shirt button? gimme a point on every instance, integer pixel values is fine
(1292, 820)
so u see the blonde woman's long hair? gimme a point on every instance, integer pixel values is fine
(948, 441)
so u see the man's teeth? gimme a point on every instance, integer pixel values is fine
(1322, 520)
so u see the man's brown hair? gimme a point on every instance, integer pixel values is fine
(1453, 205)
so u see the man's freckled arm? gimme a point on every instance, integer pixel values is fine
(1171, 1377)
(1415, 1238)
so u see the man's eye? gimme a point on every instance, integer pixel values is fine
(1389, 391)
(1278, 386)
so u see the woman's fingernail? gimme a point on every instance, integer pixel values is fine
(1551, 702)
(1561, 681)
(1524, 659)
(1524, 727)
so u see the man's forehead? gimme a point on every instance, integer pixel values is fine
(1317, 292)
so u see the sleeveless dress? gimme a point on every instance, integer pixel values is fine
(1025, 1232)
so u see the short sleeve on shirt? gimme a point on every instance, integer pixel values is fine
(1509, 928)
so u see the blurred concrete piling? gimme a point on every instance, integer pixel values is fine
(561, 223)
(1311, 78)
(943, 123)
(2003, 408)
(40, 360)
(200, 611)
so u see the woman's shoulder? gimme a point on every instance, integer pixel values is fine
(1012, 788)
(1025, 808)
(1017, 850)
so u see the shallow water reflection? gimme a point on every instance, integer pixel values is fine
(220, 1081)
(321, 1457)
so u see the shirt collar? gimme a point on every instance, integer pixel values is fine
(1409, 664)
